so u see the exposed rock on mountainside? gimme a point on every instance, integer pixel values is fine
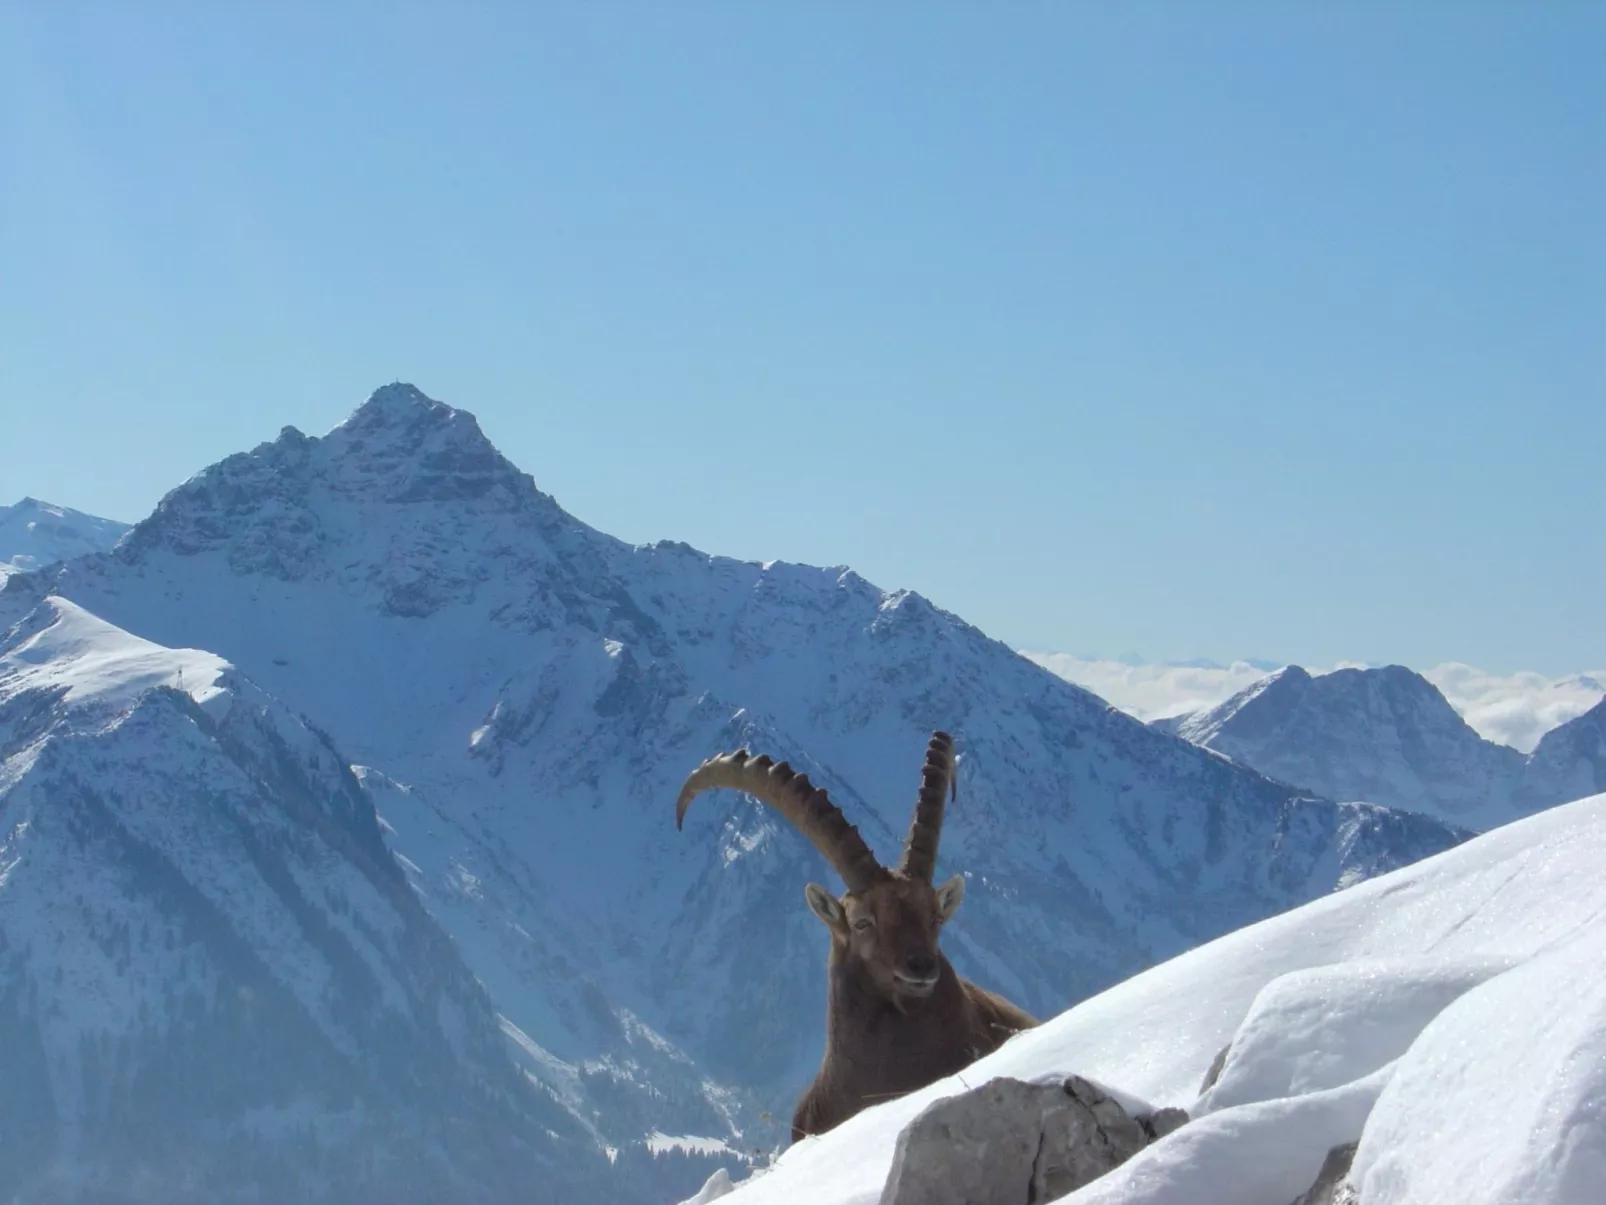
(34, 534)
(1388, 736)
(527, 694)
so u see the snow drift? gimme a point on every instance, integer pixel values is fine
(1451, 1016)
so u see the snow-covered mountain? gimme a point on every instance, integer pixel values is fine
(215, 981)
(523, 695)
(1388, 735)
(1569, 763)
(34, 534)
(1515, 709)
(1449, 1017)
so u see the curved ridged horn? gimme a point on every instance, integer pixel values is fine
(937, 785)
(808, 807)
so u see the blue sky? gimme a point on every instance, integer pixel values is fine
(1220, 330)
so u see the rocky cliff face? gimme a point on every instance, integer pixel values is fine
(523, 695)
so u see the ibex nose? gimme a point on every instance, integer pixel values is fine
(921, 966)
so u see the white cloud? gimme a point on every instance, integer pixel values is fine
(1152, 692)
(1511, 709)
(1516, 709)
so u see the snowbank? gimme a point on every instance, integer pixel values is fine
(1503, 1097)
(1463, 994)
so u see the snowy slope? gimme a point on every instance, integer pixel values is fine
(34, 534)
(215, 983)
(1451, 1016)
(527, 693)
(1388, 735)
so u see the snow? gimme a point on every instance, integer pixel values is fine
(198, 900)
(1389, 736)
(1266, 1153)
(62, 646)
(1462, 994)
(34, 534)
(1513, 709)
(529, 692)
(659, 1143)
(1319, 1028)
(1503, 1097)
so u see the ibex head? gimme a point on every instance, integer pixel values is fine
(888, 921)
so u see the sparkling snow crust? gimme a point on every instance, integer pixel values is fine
(1451, 1016)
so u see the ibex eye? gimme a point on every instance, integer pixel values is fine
(863, 923)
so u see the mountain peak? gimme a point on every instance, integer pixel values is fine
(406, 501)
(408, 447)
(35, 533)
(1384, 735)
(399, 404)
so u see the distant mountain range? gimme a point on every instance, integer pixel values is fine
(1514, 709)
(435, 704)
(1388, 736)
(34, 534)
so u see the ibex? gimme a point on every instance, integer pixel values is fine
(898, 1017)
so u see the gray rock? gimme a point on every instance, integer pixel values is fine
(1217, 1065)
(1330, 1187)
(1162, 1122)
(1013, 1143)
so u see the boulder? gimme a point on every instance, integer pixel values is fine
(1013, 1143)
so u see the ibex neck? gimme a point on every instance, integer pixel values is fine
(868, 1037)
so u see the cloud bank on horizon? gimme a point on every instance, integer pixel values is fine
(1510, 709)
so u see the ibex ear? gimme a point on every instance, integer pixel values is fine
(950, 895)
(827, 907)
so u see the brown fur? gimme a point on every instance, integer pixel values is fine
(898, 1017)
(881, 1041)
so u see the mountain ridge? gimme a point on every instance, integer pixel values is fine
(213, 964)
(526, 694)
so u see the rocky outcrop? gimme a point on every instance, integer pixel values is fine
(1330, 1187)
(1011, 1143)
